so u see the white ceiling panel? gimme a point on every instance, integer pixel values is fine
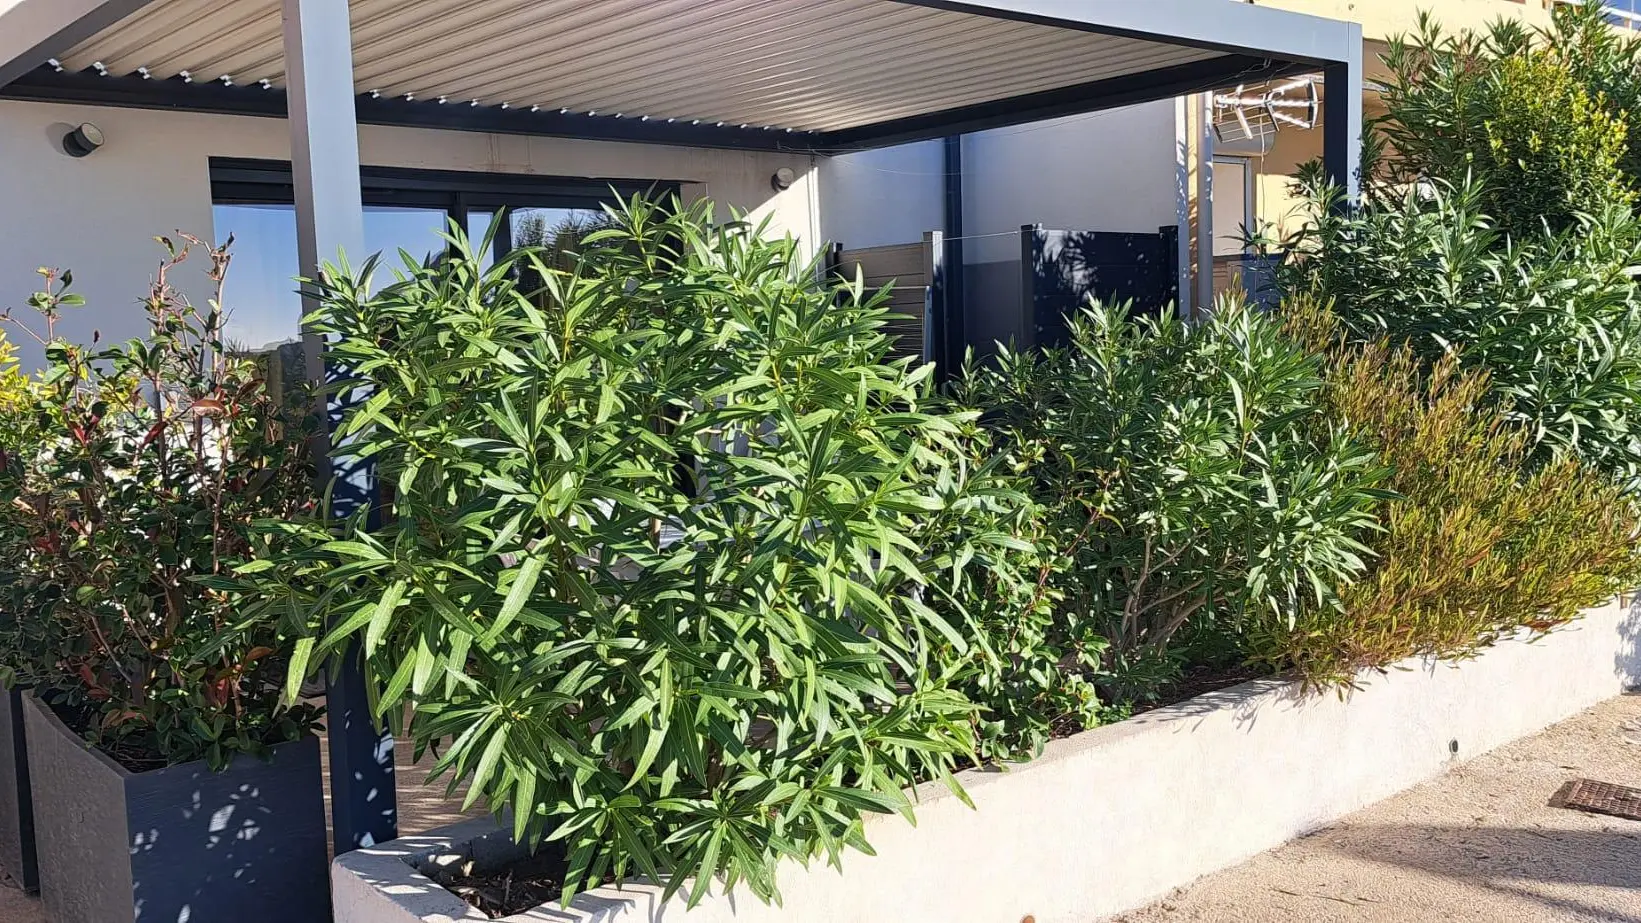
(805, 65)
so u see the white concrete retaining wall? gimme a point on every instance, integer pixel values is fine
(1110, 819)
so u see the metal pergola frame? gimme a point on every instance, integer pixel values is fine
(324, 113)
(1257, 43)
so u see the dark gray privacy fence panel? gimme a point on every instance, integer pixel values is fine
(1062, 270)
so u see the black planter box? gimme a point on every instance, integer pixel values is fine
(16, 811)
(176, 844)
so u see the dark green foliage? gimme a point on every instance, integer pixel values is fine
(1509, 112)
(140, 470)
(1473, 550)
(1182, 480)
(680, 569)
(1553, 321)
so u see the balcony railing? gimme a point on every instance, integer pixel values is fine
(1625, 14)
(1624, 18)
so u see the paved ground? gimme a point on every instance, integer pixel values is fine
(1479, 844)
(15, 907)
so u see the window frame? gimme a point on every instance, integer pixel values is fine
(248, 181)
(1250, 210)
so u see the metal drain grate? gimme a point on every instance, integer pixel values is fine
(1599, 798)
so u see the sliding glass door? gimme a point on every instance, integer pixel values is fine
(405, 210)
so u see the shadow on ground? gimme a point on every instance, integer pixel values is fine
(1513, 860)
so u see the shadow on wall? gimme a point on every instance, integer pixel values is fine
(1627, 665)
(1025, 300)
(1070, 267)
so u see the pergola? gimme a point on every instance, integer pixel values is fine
(819, 76)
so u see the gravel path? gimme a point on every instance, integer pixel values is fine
(1478, 844)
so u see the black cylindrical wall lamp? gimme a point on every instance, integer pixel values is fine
(83, 140)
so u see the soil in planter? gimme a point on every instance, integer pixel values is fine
(514, 888)
(133, 758)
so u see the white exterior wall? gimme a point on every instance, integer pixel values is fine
(884, 197)
(1103, 171)
(98, 215)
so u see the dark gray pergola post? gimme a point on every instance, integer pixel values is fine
(953, 337)
(1342, 123)
(1205, 203)
(330, 221)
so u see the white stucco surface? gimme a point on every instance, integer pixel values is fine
(98, 215)
(1110, 819)
(884, 197)
(1102, 171)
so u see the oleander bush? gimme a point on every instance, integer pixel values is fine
(1517, 113)
(1607, 62)
(1475, 547)
(1188, 476)
(1478, 316)
(680, 570)
(1554, 322)
(131, 475)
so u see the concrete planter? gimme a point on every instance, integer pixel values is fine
(16, 808)
(1110, 819)
(176, 844)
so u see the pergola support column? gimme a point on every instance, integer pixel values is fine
(1205, 203)
(330, 223)
(1342, 120)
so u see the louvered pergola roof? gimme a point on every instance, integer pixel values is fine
(794, 74)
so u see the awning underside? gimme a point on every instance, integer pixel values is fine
(807, 66)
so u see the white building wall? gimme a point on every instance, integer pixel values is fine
(98, 215)
(884, 197)
(1103, 171)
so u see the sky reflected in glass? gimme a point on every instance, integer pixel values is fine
(260, 292)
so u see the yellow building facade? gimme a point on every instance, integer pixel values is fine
(1253, 187)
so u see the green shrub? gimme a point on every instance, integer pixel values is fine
(27, 634)
(142, 469)
(679, 569)
(1554, 322)
(1181, 481)
(1541, 145)
(1032, 681)
(1607, 62)
(1472, 549)
(1554, 149)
